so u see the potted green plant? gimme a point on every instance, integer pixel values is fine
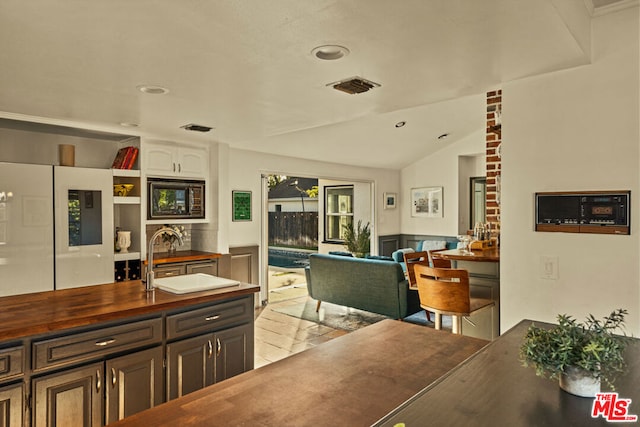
(357, 239)
(579, 355)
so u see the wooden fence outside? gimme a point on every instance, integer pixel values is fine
(293, 229)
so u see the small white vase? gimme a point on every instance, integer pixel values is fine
(124, 241)
(579, 382)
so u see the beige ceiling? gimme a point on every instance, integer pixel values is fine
(245, 68)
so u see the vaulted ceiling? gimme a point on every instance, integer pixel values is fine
(245, 68)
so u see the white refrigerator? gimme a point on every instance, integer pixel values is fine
(55, 227)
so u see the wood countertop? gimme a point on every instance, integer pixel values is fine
(42, 312)
(493, 388)
(182, 256)
(487, 255)
(353, 380)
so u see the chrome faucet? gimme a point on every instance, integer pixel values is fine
(150, 274)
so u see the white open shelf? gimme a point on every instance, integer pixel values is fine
(128, 200)
(126, 172)
(119, 256)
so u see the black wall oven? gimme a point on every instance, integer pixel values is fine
(175, 199)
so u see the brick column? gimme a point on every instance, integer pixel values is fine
(493, 161)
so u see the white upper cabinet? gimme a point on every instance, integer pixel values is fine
(175, 160)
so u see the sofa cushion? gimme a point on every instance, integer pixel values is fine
(398, 256)
(430, 245)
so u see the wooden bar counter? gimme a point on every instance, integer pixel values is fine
(353, 380)
(487, 255)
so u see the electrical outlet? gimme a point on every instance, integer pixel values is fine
(549, 267)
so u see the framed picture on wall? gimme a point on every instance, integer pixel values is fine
(390, 200)
(427, 202)
(241, 202)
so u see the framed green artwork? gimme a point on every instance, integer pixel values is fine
(241, 205)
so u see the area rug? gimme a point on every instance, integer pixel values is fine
(346, 318)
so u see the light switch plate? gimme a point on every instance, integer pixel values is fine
(549, 267)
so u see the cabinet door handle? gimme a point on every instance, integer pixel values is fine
(212, 317)
(179, 167)
(174, 167)
(218, 347)
(98, 381)
(105, 342)
(209, 349)
(113, 378)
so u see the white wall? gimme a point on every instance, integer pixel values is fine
(573, 130)
(577, 129)
(441, 169)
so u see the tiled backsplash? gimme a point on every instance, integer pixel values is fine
(161, 246)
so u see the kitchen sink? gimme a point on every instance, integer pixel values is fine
(193, 283)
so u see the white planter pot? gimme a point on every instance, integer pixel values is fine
(579, 382)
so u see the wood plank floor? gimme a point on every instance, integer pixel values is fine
(279, 335)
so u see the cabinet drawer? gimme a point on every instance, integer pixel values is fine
(168, 271)
(206, 267)
(94, 344)
(11, 362)
(210, 318)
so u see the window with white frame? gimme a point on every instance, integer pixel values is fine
(338, 209)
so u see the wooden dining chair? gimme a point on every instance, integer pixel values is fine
(437, 262)
(446, 291)
(412, 259)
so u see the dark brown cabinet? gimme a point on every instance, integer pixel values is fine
(234, 352)
(195, 363)
(221, 348)
(189, 365)
(134, 383)
(69, 398)
(98, 374)
(119, 387)
(12, 405)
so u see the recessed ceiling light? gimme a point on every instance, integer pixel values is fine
(129, 124)
(400, 124)
(443, 136)
(153, 90)
(330, 52)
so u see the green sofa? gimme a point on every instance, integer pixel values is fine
(373, 285)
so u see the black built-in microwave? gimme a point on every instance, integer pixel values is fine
(175, 199)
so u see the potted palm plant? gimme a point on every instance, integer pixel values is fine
(579, 355)
(357, 239)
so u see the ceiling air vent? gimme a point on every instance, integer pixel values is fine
(354, 85)
(196, 128)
